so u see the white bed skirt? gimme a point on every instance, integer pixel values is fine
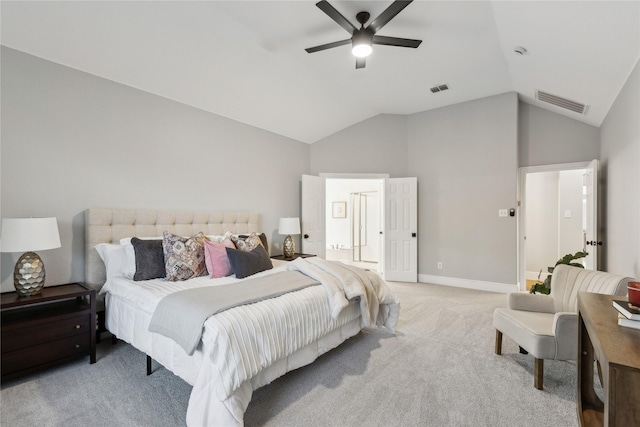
(131, 324)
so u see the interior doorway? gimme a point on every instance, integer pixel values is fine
(354, 213)
(557, 217)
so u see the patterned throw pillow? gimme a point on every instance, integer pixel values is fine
(184, 257)
(246, 243)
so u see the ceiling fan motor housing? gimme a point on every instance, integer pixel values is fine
(362, 17)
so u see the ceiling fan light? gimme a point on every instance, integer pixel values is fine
(361, 50)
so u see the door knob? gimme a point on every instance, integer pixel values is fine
(306, 236)
(413, 234)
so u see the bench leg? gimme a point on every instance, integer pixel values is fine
(149, 365)
(538, 373)
(498, 342)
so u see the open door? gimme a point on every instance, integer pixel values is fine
(401, 230)
(313, 215)
(591, 242)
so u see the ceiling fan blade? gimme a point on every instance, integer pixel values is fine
(386, 16)
(336, 16)
(361, 62)
(396, 41)
(327, 46)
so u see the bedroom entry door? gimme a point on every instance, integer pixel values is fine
(400, 259)
(401, 230)
(591, 241)
(313, 215)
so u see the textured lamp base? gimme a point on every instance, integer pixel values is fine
(289, 247)
(28, 276)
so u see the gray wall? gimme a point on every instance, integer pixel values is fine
(542, 222)
(620, 181)
(570, 238)
(376, 145)
(465, 158)
(71, 140)
(546, 138)
(466, 162)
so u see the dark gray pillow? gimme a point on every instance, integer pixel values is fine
(149, 259)
(245, 264)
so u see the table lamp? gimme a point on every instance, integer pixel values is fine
(28, 235)
(289, 226)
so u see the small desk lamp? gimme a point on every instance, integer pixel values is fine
(289, 226)
(27, 235)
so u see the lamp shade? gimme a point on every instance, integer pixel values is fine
(289, 226)
(29, 234)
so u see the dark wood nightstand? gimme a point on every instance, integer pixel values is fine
(295, 255)
(43, 330)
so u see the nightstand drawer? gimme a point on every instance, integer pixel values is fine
(47, 353)
(21, 337)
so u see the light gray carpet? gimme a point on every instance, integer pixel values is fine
(439, 370)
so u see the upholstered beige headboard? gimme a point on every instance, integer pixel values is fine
(111, 225)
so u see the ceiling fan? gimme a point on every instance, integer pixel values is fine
(363, 38)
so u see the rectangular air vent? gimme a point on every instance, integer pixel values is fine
(439, 88)
(561, 102)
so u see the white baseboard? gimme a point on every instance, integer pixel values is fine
(533, 275)
(468, 283)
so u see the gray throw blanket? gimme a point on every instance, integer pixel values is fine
(181, 315)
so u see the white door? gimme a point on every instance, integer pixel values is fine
(591, 233)
(401, 228)
(313, 215)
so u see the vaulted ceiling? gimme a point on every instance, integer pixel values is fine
(245, 60)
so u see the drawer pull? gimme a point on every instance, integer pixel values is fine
(77, 345)
(77, 326)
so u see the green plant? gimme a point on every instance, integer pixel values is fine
(545, 287)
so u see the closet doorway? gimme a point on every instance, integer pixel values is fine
(354, 214)
(558, 216)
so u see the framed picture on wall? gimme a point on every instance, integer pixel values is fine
(339, 210)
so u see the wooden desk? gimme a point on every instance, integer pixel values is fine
(618, 350)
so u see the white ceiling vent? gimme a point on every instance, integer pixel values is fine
(561, 102)
(439, 88)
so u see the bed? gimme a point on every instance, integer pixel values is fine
(244, 347)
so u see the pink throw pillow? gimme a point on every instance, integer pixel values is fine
(215, 258)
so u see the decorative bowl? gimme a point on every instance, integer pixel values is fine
(634, 293)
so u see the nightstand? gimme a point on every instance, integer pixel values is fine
(295, 255)
(43, 330)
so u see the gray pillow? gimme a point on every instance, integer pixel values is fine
(245, 264)
(149, 259)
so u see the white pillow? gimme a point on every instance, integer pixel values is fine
(119, 260)
(219, 238)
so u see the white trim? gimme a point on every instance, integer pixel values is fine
(555, 168)
(533, 275)
(354, 175)
(468, 283)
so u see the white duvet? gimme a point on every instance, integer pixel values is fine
(248, 346)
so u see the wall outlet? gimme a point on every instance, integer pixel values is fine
(439, 265)
(503, 212)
